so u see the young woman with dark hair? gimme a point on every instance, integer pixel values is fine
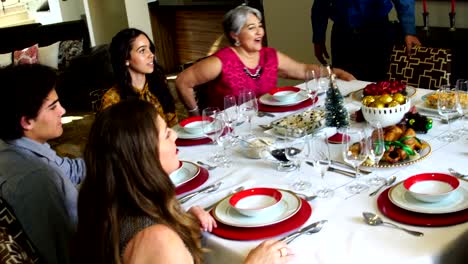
(137, 74)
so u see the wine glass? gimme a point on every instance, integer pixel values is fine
(213, 126)
(311, 84)
(354, 153)
(248, 106)
(462, 91)
(376, 150)
(447, 106)
(324, 77)
(231, 112)
(320, 157)
(296, 152)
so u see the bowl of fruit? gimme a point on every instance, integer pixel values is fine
(385, 109)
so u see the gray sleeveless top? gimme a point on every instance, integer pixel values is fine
(130, 226)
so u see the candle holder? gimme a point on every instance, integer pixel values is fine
(452, 21)
(426, 21)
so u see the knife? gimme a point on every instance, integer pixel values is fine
(207, 189)
(336, 162)
(344, 172)
(317, 226)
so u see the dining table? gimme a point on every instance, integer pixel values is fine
(345, 238)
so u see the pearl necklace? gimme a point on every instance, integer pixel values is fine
(257, 73)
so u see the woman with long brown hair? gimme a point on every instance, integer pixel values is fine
(127, 208)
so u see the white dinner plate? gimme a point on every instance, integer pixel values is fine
(185, 173)
(457, 201)
(267, 99)
(181, 133)
(288, 206)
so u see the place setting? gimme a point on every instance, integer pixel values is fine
(188, 177)
(284, 99)
(259, 213)
(426, 199)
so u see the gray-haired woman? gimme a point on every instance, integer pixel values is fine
(245, 64)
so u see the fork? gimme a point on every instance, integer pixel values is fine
(207, 166)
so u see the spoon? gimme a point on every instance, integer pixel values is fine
(308, 230)
(375, 220)
(456, 173)
(306, 197)
(207, 189)
(388, 182)
(208, 166)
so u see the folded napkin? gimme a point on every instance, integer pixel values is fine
(347, 87)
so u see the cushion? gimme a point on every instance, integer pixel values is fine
(15, 246)
(67, 51)
(5, 59)
(427, 67)
(48, 55)
(26, 56)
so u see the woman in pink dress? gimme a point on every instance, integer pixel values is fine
(246, 64)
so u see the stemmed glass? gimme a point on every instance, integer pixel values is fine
(320, 156)
(248, 106)
(231, 112)
(213, 126)
(376, 150)
(324, 77)
(447, 105)
(355, 153)
(462, 91)
(311, 84)
(296, 152)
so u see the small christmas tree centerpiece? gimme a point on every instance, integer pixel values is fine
(336, 114)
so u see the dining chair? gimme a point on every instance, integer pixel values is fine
(426, 67)
(15, 246)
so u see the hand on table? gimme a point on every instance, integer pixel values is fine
(270, 252)
(207, 222)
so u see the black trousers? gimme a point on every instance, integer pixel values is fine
(364, 52)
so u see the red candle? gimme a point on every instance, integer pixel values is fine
(424, 6)
(453, 6)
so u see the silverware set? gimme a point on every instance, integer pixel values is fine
(207, 189)
(308, 230)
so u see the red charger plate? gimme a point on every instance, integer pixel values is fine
(254, 233)
(201, 178)
(419, 219)
(277, 109)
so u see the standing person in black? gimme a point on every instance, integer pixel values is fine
(362, 35)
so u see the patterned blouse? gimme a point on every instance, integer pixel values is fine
(112, 96)
(235, 76)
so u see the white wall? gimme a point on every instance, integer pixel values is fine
(138, 16)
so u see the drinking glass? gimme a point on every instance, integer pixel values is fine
(376, 150)
(231, 112)
(462, 91)
(324, 78)
(355, 153)
(447, 105)
(320, 157)
(296, 152)
(248, 106)
(311, 84)
(213, 127)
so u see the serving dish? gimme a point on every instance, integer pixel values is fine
(359, 94)
(310, 121)
(423, 153)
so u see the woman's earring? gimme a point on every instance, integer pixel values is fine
(237, 43)
(127, 63)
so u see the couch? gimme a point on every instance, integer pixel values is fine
(81, 68)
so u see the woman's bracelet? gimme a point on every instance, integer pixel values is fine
(193, 110)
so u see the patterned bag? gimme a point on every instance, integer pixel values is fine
(15, 246)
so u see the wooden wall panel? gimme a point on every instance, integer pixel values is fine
(198, 34)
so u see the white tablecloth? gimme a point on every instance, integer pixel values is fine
(345, 238)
